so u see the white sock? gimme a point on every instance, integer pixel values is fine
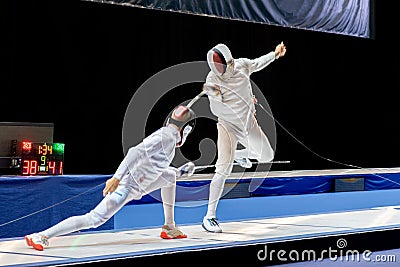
(216, 189)
(168, 198)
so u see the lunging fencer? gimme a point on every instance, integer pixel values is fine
(228, 87)
(144, 169)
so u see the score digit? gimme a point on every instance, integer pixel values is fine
(25, 167)
(60, 171)
(29, 167)
(33, 167)
(52, 167)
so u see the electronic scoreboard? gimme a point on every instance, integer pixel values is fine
(42, 158)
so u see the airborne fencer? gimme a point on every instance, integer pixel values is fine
(231, 98)
(144, 169)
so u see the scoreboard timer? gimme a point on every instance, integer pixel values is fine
(42, 158)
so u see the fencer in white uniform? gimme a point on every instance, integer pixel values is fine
(231, 99)
(144, 169)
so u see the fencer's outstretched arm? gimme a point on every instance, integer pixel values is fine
(263, 61)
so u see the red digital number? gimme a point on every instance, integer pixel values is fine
(61, 168)
(33, 168)
(25, 167)
(29, 167)
(52, 167)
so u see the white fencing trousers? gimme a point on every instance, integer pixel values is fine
(109, 205)
(257, 146)
(127, 190)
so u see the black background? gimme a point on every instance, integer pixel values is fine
(77, 64)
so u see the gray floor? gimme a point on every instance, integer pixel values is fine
(98, 245)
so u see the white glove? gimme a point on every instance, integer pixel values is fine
(187, 168)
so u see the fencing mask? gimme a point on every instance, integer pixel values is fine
(220, 61)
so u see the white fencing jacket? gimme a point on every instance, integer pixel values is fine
(146, 162)
(235, 105)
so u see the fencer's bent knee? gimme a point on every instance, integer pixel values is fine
(170, 177)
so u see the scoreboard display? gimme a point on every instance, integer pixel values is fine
(42, 158)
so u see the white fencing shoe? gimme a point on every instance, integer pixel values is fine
(211, 225)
